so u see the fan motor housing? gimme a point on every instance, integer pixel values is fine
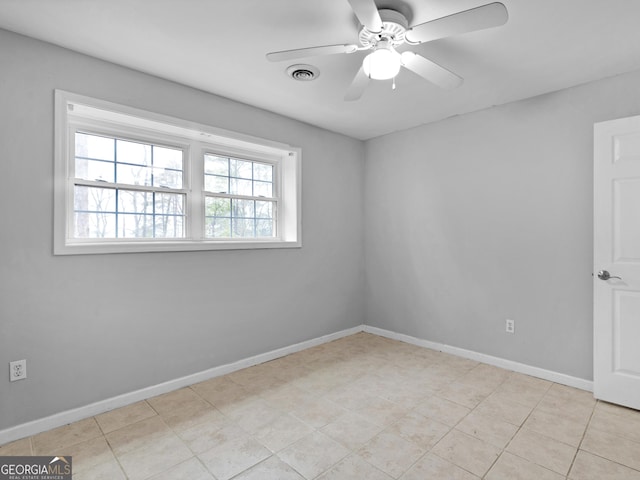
(394, 26)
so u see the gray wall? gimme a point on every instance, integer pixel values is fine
(488, 216)
(95, 326)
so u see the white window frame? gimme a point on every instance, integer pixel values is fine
(80, 113)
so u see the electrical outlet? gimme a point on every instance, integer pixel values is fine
(510, 326)
(17, 370)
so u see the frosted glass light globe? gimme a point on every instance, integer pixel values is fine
(382, 64)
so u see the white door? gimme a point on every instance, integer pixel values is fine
(617, 254)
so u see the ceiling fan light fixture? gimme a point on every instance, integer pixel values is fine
(382, 64)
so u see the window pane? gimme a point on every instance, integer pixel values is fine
(133, 152)
(93, 199)
(133, 174)
(169, 226)
(94, 225)
(216, 165)
(169, 204)
(216, 184)
(263, 171)
(264, 209)
(135, 226)
(264, 228)
(240, 169)
(217, 207)
(218, 227)
(164, 157)
(262, 189)
(242, 208)
(243, 227)
(240, 187)
(167, 178)
(94, 146)
(94, 170)
(135, 202)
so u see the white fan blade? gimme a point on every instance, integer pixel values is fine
(367, 14)
(479, 18)
(310, 52)
(430, 71)
(357, 87)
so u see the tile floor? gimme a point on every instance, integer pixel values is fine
(362, 407)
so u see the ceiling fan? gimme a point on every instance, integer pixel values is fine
(385, 30)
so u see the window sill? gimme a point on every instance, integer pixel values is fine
(170, 246)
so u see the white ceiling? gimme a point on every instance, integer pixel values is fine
(219, 46)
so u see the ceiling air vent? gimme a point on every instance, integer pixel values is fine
(303, 73)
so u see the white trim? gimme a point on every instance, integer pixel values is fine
(80, 413)
(550, 375)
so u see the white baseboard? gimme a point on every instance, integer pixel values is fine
(80, 413)
(481, 357)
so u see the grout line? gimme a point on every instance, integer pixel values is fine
(593, 410)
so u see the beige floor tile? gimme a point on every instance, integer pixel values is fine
(318, 413)
(222, 392)
(203, 436)
(354, 468)
(124, 416)
(20, 448)
(349, 396)
(542, 450)
(168, 403)
(423, 431)
(388, 400)
(556, 426)
(89, 454)
(464, 394)
(109, 470)
(407, 395)
(579, 411)
(573, 395)
(627, 426)
(381, 412)
(138, 435)
(234, 452)
(492, 430)
(282, 432)
(512, 467)
(351, 430)
(271, 469)
(191, 469)
(617, 409)
(154, 457)
(467, 452)
(287, 397)
(255, 415)
(433, 467)
(442, 410)
(313, 454)
(591, 467)
(192, 414)
(612, 447)
(504, 408)
(391, 453)
(53, 441)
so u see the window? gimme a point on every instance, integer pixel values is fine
(133, 181)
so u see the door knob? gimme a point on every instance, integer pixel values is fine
(604, 275)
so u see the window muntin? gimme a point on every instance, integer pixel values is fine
(240, 198)
(110, 210)
(137, 183)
